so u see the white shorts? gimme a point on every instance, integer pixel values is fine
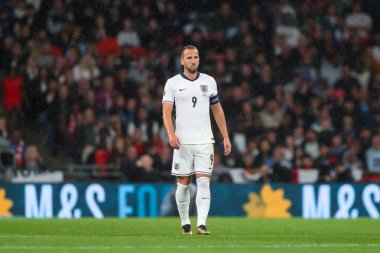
(191, 159)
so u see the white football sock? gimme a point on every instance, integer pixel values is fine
(203, 199)
(182, 197)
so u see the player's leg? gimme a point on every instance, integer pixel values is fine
(182, 197)
(203, 200)
(203, 165)
(183, 169)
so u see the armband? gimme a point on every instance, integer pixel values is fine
(214, 100)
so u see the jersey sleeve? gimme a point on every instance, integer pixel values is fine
(214, 89)
(214, 99)
(168, 96)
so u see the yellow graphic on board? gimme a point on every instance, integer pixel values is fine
(5, 204)
(269, 204)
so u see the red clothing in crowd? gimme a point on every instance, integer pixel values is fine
(12, 87)
(107, 46)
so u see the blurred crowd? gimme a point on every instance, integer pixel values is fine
(299, 82)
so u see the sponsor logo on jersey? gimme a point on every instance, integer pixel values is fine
(176, 166)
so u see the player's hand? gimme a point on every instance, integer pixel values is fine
(174, 141)
(227, 146)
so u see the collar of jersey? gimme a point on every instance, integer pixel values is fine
(183, 75)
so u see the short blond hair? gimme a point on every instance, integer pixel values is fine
(188, 47)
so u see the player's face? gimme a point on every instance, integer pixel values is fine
(190, 60)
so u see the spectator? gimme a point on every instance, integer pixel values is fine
(118, 152)
(138, 72)
(19, 147)
(12, 90)
(146, 171)
(337, 147)
(289, 146)
(346, 82)
(288, 31)
(343, 174)
(45, 58)
(3, 127)
(360, 22)
(348, 129)
(299, 136)
(331, 68)
(33, 162)
(373, 155)
(86, 69)
(57, 16)
(272, 116)
(324, 160)
(265, 173)
(225, 18)
(105, 44)
(104, 134)
(36, 90)
(164, 164)
(265, 153)
(249, 162)
(128, 36)
(124, 85)
(128, 166)
(172, 22)
(148, 125)
(282, 168)
(311, 144)
(84, 135)
(352, 159)
(105, 98)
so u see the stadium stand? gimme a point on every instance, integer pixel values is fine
(299, 81)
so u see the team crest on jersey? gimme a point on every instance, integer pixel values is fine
(204, 88)
(176, 166)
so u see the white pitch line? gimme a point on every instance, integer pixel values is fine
(316, 245)
(64, 248)
(28, 236)
(266, 246)
(227, 236)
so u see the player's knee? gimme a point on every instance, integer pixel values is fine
(184, 180)
(203, 182)
(183, 187)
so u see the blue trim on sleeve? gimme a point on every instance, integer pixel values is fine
(214, 100)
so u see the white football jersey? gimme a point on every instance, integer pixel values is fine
(192, 100)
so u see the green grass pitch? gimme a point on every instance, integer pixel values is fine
(164, 235)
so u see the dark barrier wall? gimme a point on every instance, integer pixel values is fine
(152, 200)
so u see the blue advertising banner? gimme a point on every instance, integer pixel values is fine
(78, 200)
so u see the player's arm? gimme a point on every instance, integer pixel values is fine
(220, 119)
(167, 109)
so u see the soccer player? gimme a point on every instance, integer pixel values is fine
(192, 93)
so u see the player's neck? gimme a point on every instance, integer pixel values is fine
(189, 75)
